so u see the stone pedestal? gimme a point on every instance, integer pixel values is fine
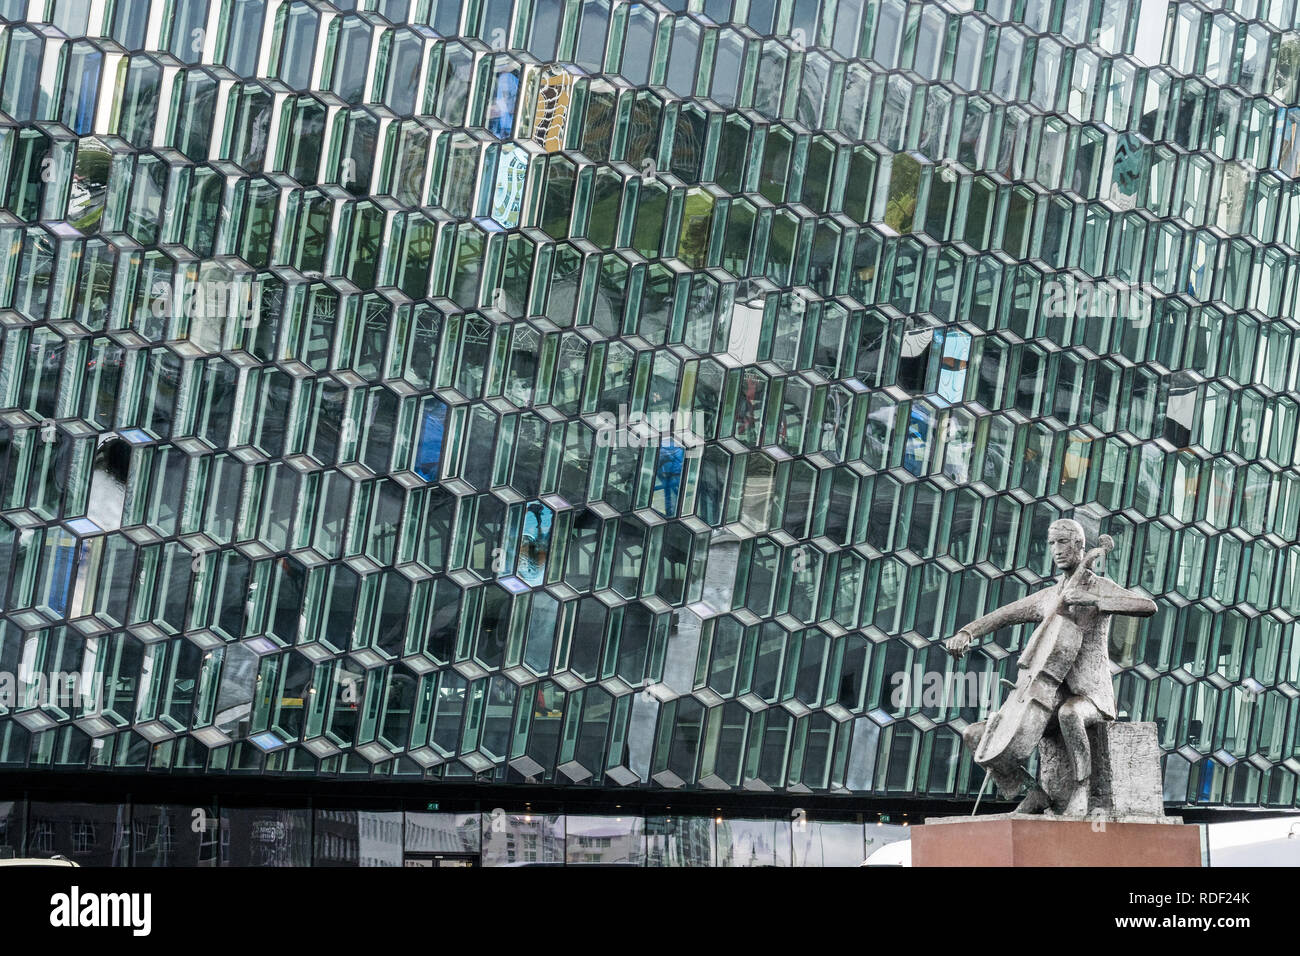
(1016, 839)
(1125, 779)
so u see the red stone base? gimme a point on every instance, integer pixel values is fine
(1006, 840)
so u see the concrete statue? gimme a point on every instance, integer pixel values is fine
(1063, 703)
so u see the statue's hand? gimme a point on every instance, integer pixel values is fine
(1079, 597)
(958, 644)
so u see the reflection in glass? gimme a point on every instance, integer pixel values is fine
(522, 839)
(170, 834)
(754, 843)
(89, 834)
(604, 840)
(357, 838)
(827, 844)
(265, 837)
(442, 833)
(679, 841)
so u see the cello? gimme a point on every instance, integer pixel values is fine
(1015, 729)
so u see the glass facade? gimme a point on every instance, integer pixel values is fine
(622, 395)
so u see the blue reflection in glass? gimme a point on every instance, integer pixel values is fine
(501, 115)
(668, 473)
(429, 454)
(953, 364)
(536, 545)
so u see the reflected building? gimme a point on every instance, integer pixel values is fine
(752, 843)
(679, 841)
(91, 834)
(442, 833)
(607, 841)
(172, 835)
(523, 839)
(357, 838)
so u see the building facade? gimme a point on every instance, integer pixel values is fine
(622, 395)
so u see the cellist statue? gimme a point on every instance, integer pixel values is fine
(1064, 684)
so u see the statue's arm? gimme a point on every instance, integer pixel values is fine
(1029, 609)
(1113, 599)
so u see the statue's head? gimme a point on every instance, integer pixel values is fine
(1065, 538)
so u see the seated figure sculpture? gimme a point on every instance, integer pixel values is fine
(1078, 608)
